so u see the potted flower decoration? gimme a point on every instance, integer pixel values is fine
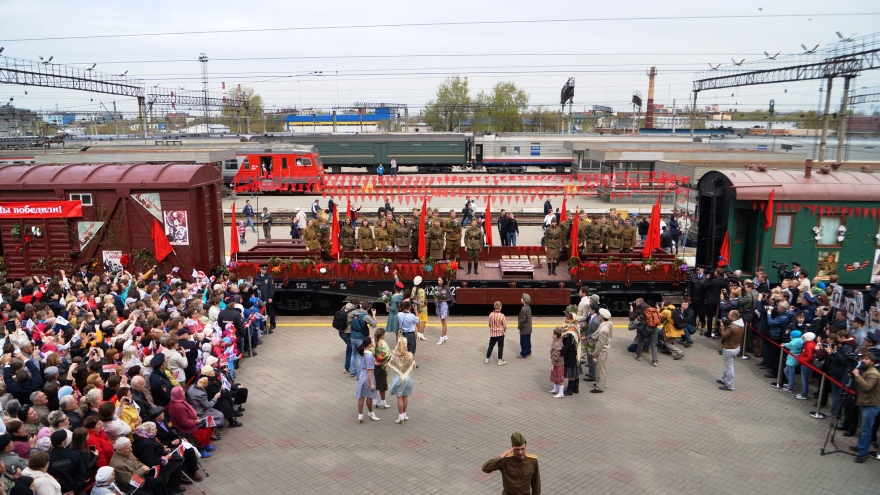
(355, 266)
(574, 261)
(15, 231)
(428, 266)
(841, 233)
(818, 233)
(452, 269)
(570, 309)
(649, 263)
(603, 267)
(680, 264)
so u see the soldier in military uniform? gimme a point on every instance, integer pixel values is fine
(312, 238)
(346, 235)
(583, 226)
(629, 236)
(603, 230)
(324, 234)
(365, 236)
(436, 241)
(414, 232)
(553, 243)
(594, 237)
(613, 239)
(452, 229)
(401, 234)
(473, 241)
(519, 471)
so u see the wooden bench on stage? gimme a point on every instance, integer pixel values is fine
(517, 268)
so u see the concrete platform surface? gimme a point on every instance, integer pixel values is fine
(655, 430)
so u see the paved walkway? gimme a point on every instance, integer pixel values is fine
(655, 430)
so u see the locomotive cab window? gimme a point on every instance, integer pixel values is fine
(246, 164)
(516, 150)
(299, 162)
(503, 150)
(783, 230)
(307, 162)
(85, 198)
(828, 233)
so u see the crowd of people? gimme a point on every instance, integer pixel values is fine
(119, 381)
(798, 329)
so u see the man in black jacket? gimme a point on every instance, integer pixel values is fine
(232, 315)
(65, 465)
(26, 381)
(502, 224)
(713, 300)
(265, 285)
(698, 297)
(548, 208)
(511, 229)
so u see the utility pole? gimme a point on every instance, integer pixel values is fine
(673, 116)
(204, 61)
(115, 120)
(823, 142)
(841, 122)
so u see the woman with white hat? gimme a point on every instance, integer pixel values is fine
(602, 338)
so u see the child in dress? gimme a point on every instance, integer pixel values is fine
(366, 386)
(241, 232)
(557, 364)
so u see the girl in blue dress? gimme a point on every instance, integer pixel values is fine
(366, 386)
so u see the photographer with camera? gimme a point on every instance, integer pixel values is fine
(867, 381)
(777, 319)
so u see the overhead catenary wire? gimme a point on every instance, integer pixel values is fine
(448, 23)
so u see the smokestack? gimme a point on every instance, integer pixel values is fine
(649, 114)
(808, 168)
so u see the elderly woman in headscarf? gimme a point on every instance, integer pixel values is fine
(197, 395)
(147, 448)
(226, 403)
(400, 368)
(183, 416)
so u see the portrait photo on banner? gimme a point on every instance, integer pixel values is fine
(827, 264)
(112, 261)
(176, 227)
(876, 268)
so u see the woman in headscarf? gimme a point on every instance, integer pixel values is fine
(571, 353)
(149, 450)
(400, 367)
(198, 397)
(183, 416)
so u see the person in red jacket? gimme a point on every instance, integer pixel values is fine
(806, 360)
(98, 439)
(183, 416)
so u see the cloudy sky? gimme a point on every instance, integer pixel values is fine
(394, 51)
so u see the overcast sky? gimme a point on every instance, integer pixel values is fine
(607, 47)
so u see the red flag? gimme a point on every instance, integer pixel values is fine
(335, 249)
(724, 255)
(423, 217)
(160, 242)
(233, 240)
(488, 225)
(562, 215)
(652, 242)
(768, 212)
(574, 234)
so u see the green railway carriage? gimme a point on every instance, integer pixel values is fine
(431, 153)
(827, 220)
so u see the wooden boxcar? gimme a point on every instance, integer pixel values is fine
(827, 220)
(119, 205)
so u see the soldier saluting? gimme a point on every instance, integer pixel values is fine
(519, 471)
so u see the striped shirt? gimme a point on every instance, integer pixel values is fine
(497, 324)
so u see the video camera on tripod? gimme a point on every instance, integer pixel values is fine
(781, 268)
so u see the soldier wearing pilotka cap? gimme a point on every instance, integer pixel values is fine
(519, 471)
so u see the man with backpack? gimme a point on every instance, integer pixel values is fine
(683, 319)
(360, 322)
(644, 319)
(671, 332)
(340, 323)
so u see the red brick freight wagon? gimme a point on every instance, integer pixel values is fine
(56, 216)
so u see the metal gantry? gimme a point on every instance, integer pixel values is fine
(40, 73)
(865, 95)
(846, 58)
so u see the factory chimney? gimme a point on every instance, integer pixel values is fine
(649, 114)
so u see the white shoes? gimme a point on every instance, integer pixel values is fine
(442, 340)
(360, 418)
(559, 395)
(486, 360)
(501, 362)
(401, 418)
(373, 416)
(384, 405)
(422, 336)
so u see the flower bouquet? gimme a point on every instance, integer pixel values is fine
(570, 309)
(385, 297)
(574, 261)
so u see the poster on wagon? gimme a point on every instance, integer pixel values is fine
(827, 264)
(86, 231)
(150, 202)
(112, 261)
(177, 227)
(875, 271)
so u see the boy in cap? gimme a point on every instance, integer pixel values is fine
(520, 474)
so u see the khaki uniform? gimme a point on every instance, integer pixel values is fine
(614, 239)
(553, 241)
(414, 236)
(401, 236)
(365, 238)
(452, 229)
(629, 238)
(518, 476)
(383, 239)
(473, 241)
(313, 241)
(583, 228)
(436, 242)
(346, 237)
(594, 237)
(324, 236)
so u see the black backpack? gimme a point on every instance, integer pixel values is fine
(340, 319)
(678, 320)
(359, 327)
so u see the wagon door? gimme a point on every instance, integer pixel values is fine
(380, 154)
(478, 153)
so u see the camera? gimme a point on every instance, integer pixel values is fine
(779, 266)
(725, 320)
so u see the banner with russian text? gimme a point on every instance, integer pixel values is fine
(40, 209)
